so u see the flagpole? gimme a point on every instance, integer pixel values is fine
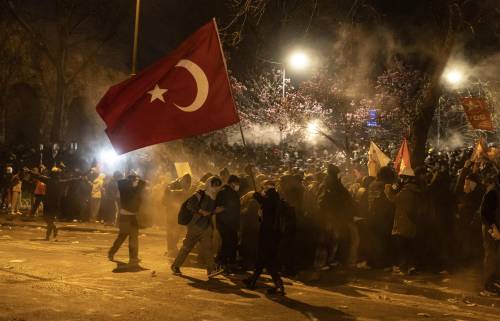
(236, 110)
(136, 35)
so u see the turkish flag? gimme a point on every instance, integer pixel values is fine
(402, 163)
(184, 94)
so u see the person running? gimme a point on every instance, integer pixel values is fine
(200, 230)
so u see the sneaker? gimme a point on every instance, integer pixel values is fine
(276, 291)
(487, 293)
(215, 272)
(249, 283)
(176, 270)
(412, 270)
(397, 271)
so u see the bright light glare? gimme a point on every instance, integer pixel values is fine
(299, 60)
(109, 156)
(313, 127)
(454, 77)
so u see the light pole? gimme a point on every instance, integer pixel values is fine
(454, 77)
(297, 60)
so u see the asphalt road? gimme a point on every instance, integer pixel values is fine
(72, 280)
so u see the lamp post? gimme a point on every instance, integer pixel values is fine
(454, 77)
(297, 60)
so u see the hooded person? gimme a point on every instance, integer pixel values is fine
(409, 208)
(338, 208)
(228, 221)
(269, 238)
(200, 229)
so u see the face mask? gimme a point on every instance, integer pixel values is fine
(236, 187)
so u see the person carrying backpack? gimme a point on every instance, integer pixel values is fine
(269, 238)
(197, 213)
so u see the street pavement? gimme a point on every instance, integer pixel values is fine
(72, 280)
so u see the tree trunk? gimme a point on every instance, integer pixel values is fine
(57, 117)
(3, 123)
(418, 136)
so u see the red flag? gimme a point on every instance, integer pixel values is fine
(402, 164)
(184, 94)
(478, 113)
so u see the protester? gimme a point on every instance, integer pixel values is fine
(200, 230)
(269, 239)
(380, 220)
(52, 205)
(39, 195)
(111, 198)
(131, 195)
(173, 196)
(490, 214)
(228, 222)
(96, 194)
(335, 201)
(16, 190)
(5, 188)
(408, 203)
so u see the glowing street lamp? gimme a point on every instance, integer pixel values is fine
(299, 60)
(312, 127)
(454, 77)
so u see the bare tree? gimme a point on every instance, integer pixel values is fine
(68, 34)
(12, 64)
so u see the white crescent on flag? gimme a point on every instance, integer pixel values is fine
(201, 84)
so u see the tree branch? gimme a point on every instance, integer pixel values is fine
(36, 37)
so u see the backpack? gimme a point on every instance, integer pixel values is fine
(285, 218)
(185, 215)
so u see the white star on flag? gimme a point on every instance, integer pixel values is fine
(157, 93)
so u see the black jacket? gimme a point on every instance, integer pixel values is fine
(490, 208)
(269, 205)
(230, 200)
(130, 195)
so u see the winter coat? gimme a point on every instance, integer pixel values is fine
(97, 186)
(381, 209)
(334, 199)
(408, 203)
(230, 200)
(269, 206)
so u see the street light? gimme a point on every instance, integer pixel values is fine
(299, 60)
(312, 127)
(454, 76)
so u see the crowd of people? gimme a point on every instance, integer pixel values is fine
(287, 210)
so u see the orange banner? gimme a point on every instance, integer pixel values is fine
(478, 113)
